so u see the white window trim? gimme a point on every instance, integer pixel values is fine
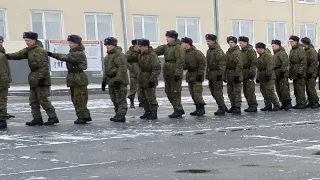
(44, 25)
(143, 30)
(6, 28)
(185, 27)
(282, 1)
(239, 21)
(274, 28)
(305, 24)
(304, 2)
(96, 24)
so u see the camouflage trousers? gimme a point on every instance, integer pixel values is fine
(234, 94)
(3, 103)
(283, 89)
(148, 99)
(216, 89)
(173, 90)
(133, 88)
(79, 98)
(195, 90)
(311, 90)
(39, 96)
(299, 86)
(267, 91)
(119, 100)
(249, 91)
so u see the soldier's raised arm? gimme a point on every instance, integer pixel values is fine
(20, 55)
(74, 57)
(160, 50)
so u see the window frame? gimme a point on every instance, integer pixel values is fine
(96, 24)
(281, 1)
(143, 29)
(274, 28)
(316, 29)
(251, 39)
(6, 25)
(44, 22)
(304, 2)
(185, 27)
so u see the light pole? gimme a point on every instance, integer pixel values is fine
(216, 17)
(124, 24)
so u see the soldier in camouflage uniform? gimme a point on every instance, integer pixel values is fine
(116, 77)
(39, 79)
(216, 69)
(150, 66)
(312, 71)
(196, 65)
(234, 75)
(249, 57)
(281, 61)
(174, 56)
(297, 71)
(77, 80)
(266, 78)
(133, 67)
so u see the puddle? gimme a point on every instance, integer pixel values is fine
(250, 165)
(47, 151)
(199, 171)
(316, 153)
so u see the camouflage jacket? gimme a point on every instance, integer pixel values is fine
(174, 56)
(312, 61)
(195, 64)
(150, 66)
(5, 72)
(234, 64)
(216, 63)
(298, 62)
(115, 67)
(133, 66)
(249, 57)
(265, 64)
(76, 63)
(281, 61)
(38, 62)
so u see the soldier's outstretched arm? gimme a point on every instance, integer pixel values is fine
(121, 63)
(160, 50)
(71, 58)
(180, 59)
(20, 55)
(156, 68)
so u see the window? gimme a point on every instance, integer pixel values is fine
(146, 27)
(242, 28)
(277, 0)
(47, 24)
(98, 26)
(277, 30)
(309, 30)
(3, 27)
(307, 1)
(189, 27)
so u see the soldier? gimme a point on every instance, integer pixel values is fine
(281, 61)
(312, 71)
(216, 69)
(115, 75)
(77, 80)
(39, 79)
(266, 78)
(249, 57)
(133, 67)
(174, 56)
(196, 65)
(150, 66)
(234, 75)
(297, 71)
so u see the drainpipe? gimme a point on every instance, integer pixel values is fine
(293, 17)
(216, 17)
(124, 24)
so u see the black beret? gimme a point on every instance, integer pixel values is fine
(276, 41)
(243, 39)
(1, 38)
(306, 41)
(295, 38)
(74, 38)
(30, 35)
(232, 38)
(172, 34)
(187, 40)
(211, 37)
(260, 45)
(110, 41)
(134, 42)
(143, 42)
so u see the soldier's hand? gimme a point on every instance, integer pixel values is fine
(309, 75)
(299, 76)
(103, 85)
(41, 82)
(267, 77)
(117, 85)
(199, 78)
(219, 77)
(151, 84)
(177, 78)
(49, 53)
(236, 79)
(282, 73)
(257, 81)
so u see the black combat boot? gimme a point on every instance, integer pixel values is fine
(201, 110)
(220, 112)
(8, 116)
(231, 109)
(309, 105)
(51, 121)
(315, 105)
(236, 111)
(283, 105)
(145, 115)
(80, 121)
(3, 124)
(251, 109)
(120, 118)
(112, 119)
(89, 119)
(276, 108)
(267, 108)
(176, 114)
(195, 112)
(288, 105)
(152, 115)
(132, 103)
(35, 121)
(140, 105)
(300, 106)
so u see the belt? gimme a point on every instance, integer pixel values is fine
(75, 71)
